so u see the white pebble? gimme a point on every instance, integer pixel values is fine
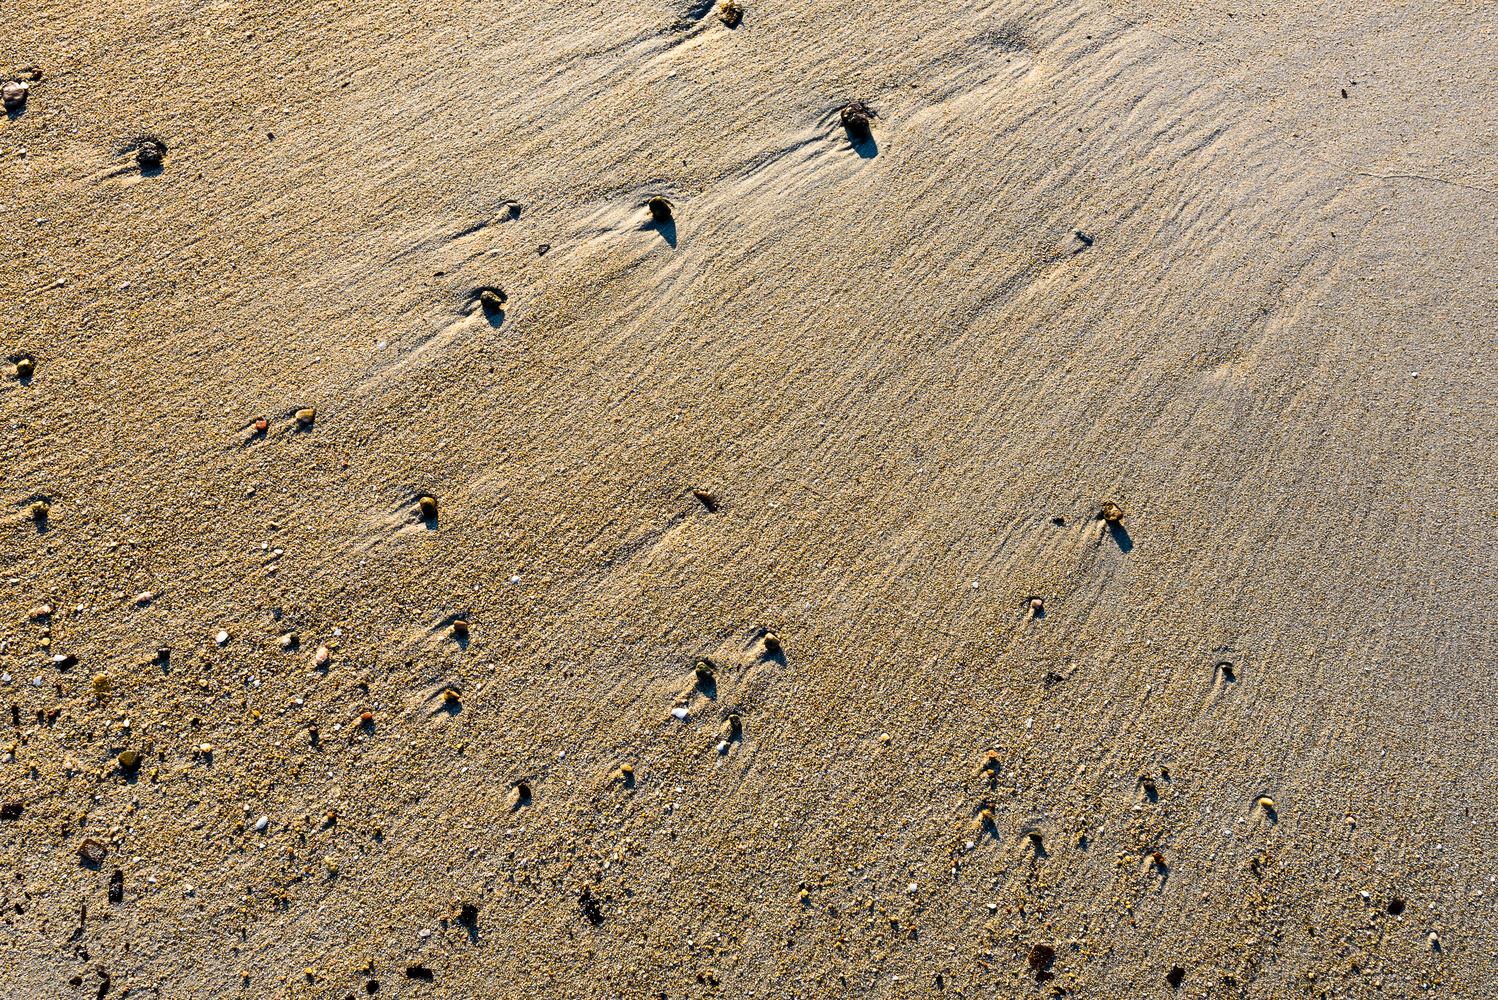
(261, 824)
(222, 637)
(680, 713)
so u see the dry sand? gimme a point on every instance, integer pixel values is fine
(910, 387)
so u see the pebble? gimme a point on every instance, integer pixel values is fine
(428, 507)
(680, 714)
(730, 13)
(222, 637)
(306, 416)
(659, 209)
(39, 612)
(772, 643)
(493, 300)
(261, 824)
(40, 510)
(25, 368)
(145, 597)
(14, 94)
(129, 760)
(460, 628)
(855, 118)
(1111, 513)
(151, 153)
(321, 657)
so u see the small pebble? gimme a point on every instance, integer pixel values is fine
(222, 637)
(460, 628)
(306, 416)
(680, 714)
(151, 153)
(660, 210)
(428, 507)
(25, 368)
(261, 824)
(14, 94)
(1111, 513)
(730, 13)
(493, 300)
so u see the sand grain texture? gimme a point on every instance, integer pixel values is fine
(909, 386)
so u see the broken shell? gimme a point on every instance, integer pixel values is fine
(1111, 513)
(14, 94)
(660, 210)
(428, 507)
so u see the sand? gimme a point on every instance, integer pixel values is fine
(908, 385)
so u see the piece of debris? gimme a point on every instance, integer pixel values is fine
(151, 153)
(427, 505)
(39, 511)
(91, 851)
(493, 300)
(11, 810)
(707, 500)
(1175, 977)
(855, 117)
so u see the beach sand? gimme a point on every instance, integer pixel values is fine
(1225, 265)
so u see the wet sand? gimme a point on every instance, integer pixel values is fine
(1228, 267)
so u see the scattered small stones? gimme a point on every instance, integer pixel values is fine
(91, 852)
(25, 367)
(150, 153)
(660, 210)
(493, 300)
(306, 417)
(856, 117)
(427, 505)
(1111, 513)
(730, 13)
(14, 94)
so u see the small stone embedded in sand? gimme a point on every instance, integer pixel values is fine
(11, 810)
(150, 153)
(289, 641)
(261, 824)
(145, 597)
(321, 656)
(101, 683)
(627, 773)
(306, 416)
(772, 643)
(1037, 607)
(735, 725)
(660, 210)
(1111, 513)
(91, 851)
(14, 94)
(261, 425)
(1040, 958)
(39, 510)
(707, 500)
(25, 367)
(493, 300)
(40, 612)
(129, 760)
(460, 628)
(856, 119)
(703, 671)
(222, 637)
(450, 697)
(730, 13)
(522, 793)
(427, 506)
(679, 714)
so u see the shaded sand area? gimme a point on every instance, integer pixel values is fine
(906, 385)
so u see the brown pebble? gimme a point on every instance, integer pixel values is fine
(150, 153)
(39, 612)
(25, 368)
(707, 500)
(366, 717)
(321, 657)
(1037, 605)
(14, 94)
(129, 760)
(772, 643)
(660, 210)
(855, 117)
(730, 13)
(91, 852)
(493, 299)
(460, 628)
(1111, 513)
(428, 507)
(306, 416)
(450, 696)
